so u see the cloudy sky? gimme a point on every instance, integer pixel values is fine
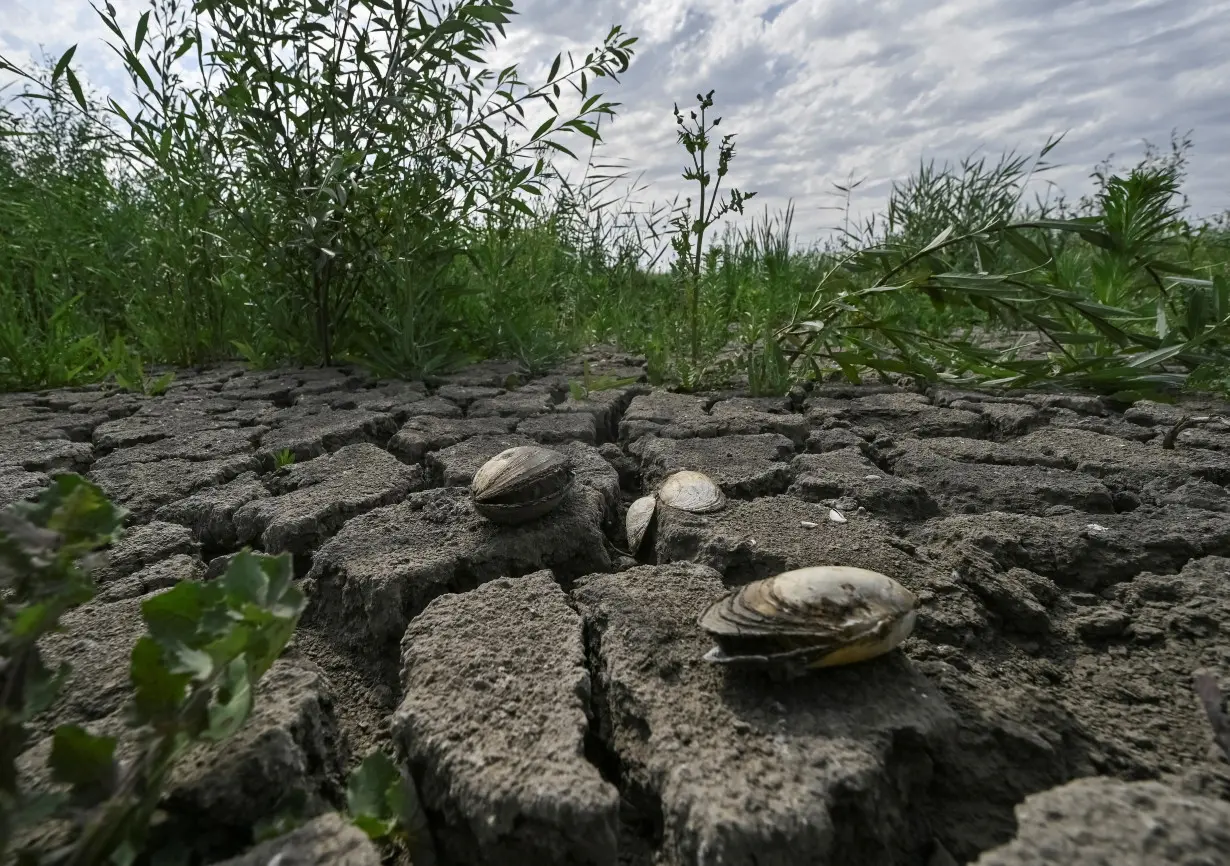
(820, 91)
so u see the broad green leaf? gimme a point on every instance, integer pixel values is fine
(83, 760)
(381, 800)
(42, 685)
(173, 616)
(245, 580)
(31, 621)
(232, 703)
(157, 691)
(124, 854)
(75, 508)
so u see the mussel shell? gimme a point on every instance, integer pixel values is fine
(692, 491)
(816, 617)
(638, 520)
(521, 484)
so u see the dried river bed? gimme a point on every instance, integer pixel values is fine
(545, 689)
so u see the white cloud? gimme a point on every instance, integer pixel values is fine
(820, 90)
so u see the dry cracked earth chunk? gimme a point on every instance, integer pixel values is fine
(383, 568)
(743, 770)
(1102, 821)
(495, 713)
(545, 689)
(744, 466)
(329, 840)
(315, 498)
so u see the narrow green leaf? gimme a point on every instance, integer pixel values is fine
(1157, 356)
(937, 240)
(62, 65)
(135, 66)
(1168, 268)
(543, 128)
(1026, 247)
(489, 14)
(585, 128)
(75, 86)
(187, 45)
(142, 26)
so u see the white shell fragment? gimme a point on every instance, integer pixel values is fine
(821, 616)
(637, 521)
(835, 516)
(692, 491)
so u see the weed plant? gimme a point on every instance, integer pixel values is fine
(352, 184)
(193, 675)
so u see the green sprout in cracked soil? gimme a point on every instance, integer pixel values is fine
(193, 678)
(380, 196)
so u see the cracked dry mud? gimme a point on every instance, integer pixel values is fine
(545, 689)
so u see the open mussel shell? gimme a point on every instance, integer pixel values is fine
(638, 520)
(521, 484)
(821, 616)
(692, 491)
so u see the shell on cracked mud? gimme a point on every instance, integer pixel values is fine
(822, 616)
(521, 484)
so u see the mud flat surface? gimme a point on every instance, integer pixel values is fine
(545, 689)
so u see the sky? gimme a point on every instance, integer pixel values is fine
(820, 92)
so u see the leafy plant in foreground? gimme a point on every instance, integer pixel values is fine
(384, 804)
(46, 550)
(193, 674)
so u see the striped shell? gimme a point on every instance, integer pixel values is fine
(638, 520)
(810, 618)
(521, 484)
(692, 491)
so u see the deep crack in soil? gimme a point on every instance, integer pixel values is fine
(544, 688)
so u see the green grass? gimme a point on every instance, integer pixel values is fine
(368, 191)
